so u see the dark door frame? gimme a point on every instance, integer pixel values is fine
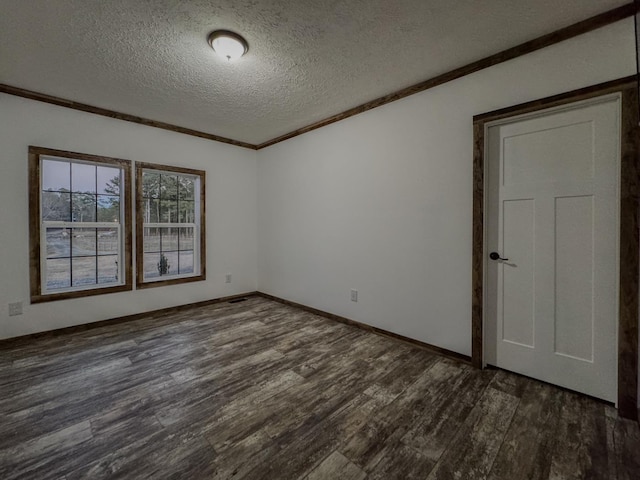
(629, 238)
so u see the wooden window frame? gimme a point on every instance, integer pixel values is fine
(140, 282)
(35, 225)
(629, 223)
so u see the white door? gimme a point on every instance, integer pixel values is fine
(551, 309)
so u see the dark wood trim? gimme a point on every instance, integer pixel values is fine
(128, 233)
(169, 168)
(477, 260)
(579, 28)
(35, 279)
(139, 228)
(25, 339)
(629, 256)
(140, 283)
(612, 86)
(83, 107)
(203, 225)
(369, 328)
(50, 152)
(629, 238)
(79, 294)
(544, 41)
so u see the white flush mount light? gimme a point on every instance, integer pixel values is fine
(228, 45)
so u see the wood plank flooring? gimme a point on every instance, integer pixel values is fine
(260, 390)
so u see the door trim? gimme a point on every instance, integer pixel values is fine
(629, 236)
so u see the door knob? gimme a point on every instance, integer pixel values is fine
(496, 256)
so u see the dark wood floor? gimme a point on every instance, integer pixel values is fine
(259, 390)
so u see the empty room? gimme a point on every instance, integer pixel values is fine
(296, 239)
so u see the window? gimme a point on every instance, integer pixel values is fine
(80, 230)
(170, 226)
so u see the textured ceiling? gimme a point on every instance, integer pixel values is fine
(307, 60)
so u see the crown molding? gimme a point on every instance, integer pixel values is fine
(83, 107)
(580, 28)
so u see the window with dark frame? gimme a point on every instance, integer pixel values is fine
(170, 225)
(80, 229)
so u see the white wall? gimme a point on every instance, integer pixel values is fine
(381, 202)
(230, 209)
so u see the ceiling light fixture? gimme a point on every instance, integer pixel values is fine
(228, 45)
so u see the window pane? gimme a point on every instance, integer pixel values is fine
(56, 176)
(187, 212)
(151, 261)
(151, 213)
(56, 207)
(151, 239)
(83, 178)
(169, 239)
(186, 262)
(186, 187)
(83, 207)
(108, 241)
(58, 242)
(168, 187)
(58, 273)
(108, 208)
(84, 242)
(150, 185)
(168, 211)
(108, 269)
(186, 238)
(84, 271)
(108, 180)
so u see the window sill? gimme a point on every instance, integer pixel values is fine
(140, 285)
(51, 297)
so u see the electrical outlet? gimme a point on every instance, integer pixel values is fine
(227, 278)
(354, 295)
(15, 309)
